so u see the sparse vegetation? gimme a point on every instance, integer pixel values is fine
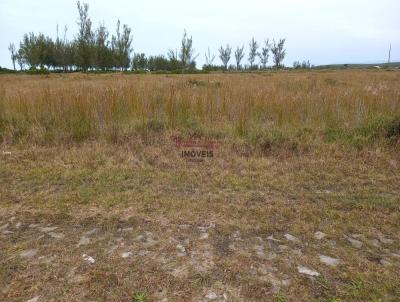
(280, 297)
(139, 297)
(281, 111)
(127, 177)
(297, 152)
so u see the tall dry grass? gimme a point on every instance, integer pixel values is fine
(263, 108)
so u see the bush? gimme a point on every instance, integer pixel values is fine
(34, 70)
(366, 134)
(393, 129)
(209, 68)
(6, 70)
(154, 125)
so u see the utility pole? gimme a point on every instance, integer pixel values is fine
(390, 50)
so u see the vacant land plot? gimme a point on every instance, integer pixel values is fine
(299, 200)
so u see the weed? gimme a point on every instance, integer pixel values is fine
(194, 82)
(393, 129)
(356, 284)
(202, 280)
(154, 125)
(139, 297)
(280, 297)
(334, 299)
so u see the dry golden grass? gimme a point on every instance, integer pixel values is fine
(259, 106)
(297, 153)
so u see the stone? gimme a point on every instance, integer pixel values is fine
(286, 282)
(297, 252)
(47, 259)
(397, 255)
(283, 247)
(375, 243)
(56, 235)
(180, 272)
(259, 239)
(259, 251)
(211, 295)
(385, 263)
(150, 242)
(202, 229)
(181, 250)
(292, 238)
(270, 256)
(91, 232)
(265, 269)
(384, 240)
(232, 247)
(393, 163)
(112, 249)
(129, 229)
(236, 235)
(88, 258)
(126, 254)
(329, 260)
(204, 236)
(319, 235)
(7, 232)
(143, 253)
(4, 226)
(147, 240)
(48, 229)
(271, 238)
(29, 253)
(266, 274)
(35, 299)
(161, 295)
(74, 278)
(83, 241)
(354, 242)
(78, 279)
(306, 271)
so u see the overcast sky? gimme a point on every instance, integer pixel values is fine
(323, 31)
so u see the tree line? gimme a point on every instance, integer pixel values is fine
(276, 48)
(97, 49)
(90, 49)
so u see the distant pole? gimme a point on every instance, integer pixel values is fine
(390, 50)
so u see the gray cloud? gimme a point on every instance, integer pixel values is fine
(322, 31)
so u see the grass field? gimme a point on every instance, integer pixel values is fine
(299, 202)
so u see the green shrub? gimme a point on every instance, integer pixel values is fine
(34, 70)
(393, 129)
(154, 125)
(139, 297)
(366, 134)
(79, 127)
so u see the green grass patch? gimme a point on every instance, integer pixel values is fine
(371, 201)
